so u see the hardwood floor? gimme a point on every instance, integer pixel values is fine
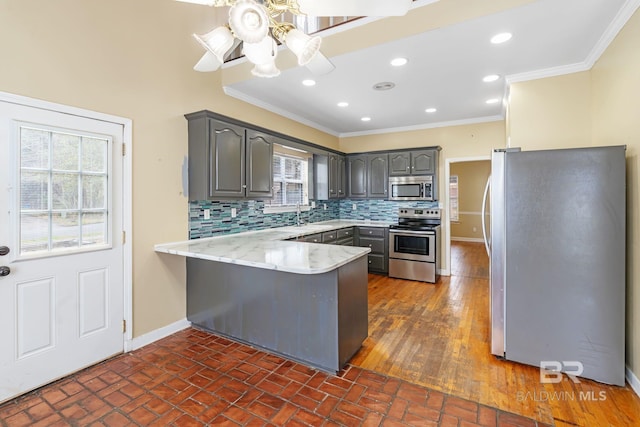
(438, 336)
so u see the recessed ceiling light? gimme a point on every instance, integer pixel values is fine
(384, 86)
(501, 38)
(343, 104)
(366, 119)
(309, 82)
(493, 101)
(430, 110)
(490, 78)
(399, 62)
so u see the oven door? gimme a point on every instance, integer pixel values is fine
(412, 245)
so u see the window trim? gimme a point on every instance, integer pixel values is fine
(456, 217)
(17, 206)
(270, 208)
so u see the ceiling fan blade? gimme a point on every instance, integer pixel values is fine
(354, 7)
(207, 63)
(320, 64)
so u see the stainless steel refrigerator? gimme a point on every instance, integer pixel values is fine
(557, 253)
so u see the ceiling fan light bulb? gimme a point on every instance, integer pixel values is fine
(263, 52)
(268, 70)
(302, 45)
(218, 42)
(249, 21)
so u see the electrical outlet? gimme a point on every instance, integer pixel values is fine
(234, 212)
(354, 207)
(207, 213)
(475, 229)
(313, 205)
(324, 206)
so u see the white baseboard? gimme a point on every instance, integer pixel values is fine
(633, 381)
(158, 334)
(467, 239)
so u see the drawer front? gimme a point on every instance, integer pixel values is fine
(329, 236)
(347, 241)
(376, 244)
(313, 238)
(376, 262)
(371, 232)
(345, 232)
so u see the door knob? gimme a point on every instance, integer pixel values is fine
(4, 271)
(4, 250)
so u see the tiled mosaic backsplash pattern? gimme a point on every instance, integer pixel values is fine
(250, 214)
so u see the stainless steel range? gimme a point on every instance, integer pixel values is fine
(414, 245)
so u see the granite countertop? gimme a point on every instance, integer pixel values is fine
(270, 250)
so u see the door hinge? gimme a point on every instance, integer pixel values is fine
(124, 150)
(124, 237)
(124, 326)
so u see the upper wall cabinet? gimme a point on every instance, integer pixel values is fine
(367, 176)
(377, 176)
(228, 161)
(330, 180)
(357, 176)
(417, 162)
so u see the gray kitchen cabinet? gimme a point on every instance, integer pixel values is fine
(337, 176)
(259, 164)
(228, 161)
(377, 176)
(416, 162)
(357, 176)
(376, 238)
(329, 176)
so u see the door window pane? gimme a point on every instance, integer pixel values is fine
(65, 152)
(34, 190)
(64, 193)
(65, 230)
(94, 192)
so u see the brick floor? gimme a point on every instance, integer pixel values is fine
(194, 378)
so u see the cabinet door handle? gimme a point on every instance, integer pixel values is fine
(370, 245)
(244, 186)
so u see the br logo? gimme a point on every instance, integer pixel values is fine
(551, 371)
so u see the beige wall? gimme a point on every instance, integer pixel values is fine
(596, 107)
(616, 113)
(551, 113)
(132, 59)
(472, 179)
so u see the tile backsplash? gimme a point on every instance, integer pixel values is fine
(250, 215)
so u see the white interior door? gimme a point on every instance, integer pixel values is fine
(61, 283)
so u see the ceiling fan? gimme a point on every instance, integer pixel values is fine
(255, 23)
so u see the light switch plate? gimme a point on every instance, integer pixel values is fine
(354, 207)
(234, 212)
(313, 205)
(324, 206)
(207, 214)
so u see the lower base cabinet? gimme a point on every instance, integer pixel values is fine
(377, 239)
(320, 320)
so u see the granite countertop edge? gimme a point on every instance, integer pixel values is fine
(269, 248)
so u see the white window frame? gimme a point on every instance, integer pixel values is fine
(18, 125)
(271, 208)
(454, 202)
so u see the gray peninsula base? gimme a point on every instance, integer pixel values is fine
(318, 319)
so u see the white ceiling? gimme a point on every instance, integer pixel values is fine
(445, 69)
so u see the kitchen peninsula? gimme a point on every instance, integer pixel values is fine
(305, 301)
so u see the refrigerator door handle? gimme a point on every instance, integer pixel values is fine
(484, 216)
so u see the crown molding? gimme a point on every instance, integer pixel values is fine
(462, 122)
(282, 112)
(624, 14)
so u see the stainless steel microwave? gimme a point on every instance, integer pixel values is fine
(411, 188)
